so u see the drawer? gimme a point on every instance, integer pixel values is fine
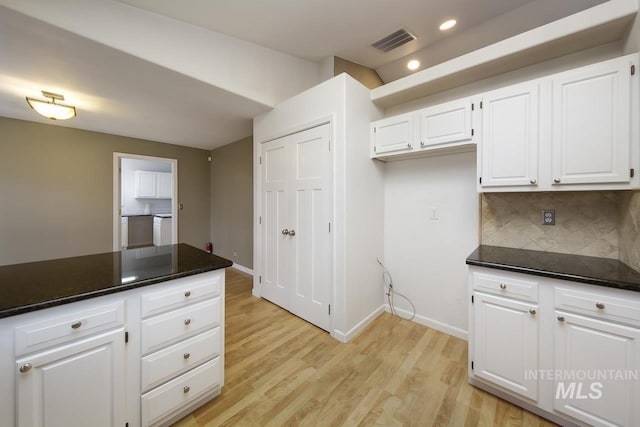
(598, 304)
(169, 362)
(161, 402)
(167, 328)
(50, 330)
(184, 291)
(506, 286)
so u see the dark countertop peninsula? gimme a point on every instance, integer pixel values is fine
(37, 285)
(578, 268)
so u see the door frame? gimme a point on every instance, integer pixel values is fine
(117, 157)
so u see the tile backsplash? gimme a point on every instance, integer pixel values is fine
(629, 229)
(587, 223)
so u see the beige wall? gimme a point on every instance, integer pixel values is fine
(365, 75)
(56, 188)
(232, 201)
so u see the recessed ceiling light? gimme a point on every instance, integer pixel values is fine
(413, 64)
(448, 24)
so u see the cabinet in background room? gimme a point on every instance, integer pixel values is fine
(393, 135)
(153, 185)
(509, 140)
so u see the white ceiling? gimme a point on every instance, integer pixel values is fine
(176, 97)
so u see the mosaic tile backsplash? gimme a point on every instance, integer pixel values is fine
(587, 223)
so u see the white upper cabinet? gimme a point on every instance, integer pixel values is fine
(153, 185)
(591, 124)
(434, 130)
(446, 124)
(509, 141)
(392, 135)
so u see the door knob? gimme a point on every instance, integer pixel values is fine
(292, 233)
(533, 181)
(285, 232)
(532, 311)
(25, 368)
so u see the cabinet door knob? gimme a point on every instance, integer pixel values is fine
(503, 286)
(292, 233)
(186, 389)
(556, 180)
(408, 145)
(25, 368)
(421, 143)
(561, 319)
(600, 305)
(533, 181)
(186, 355)
(187, 294)
(76, 325)
(187, 321)
(532, 311)
(285, 232)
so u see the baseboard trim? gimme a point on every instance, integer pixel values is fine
(346, 337)
(432, 323)
(255, 293)
(243, 269)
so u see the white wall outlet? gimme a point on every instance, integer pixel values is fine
(434, 214)
(548, 217)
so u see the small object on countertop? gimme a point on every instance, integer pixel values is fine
(147, 209)
(209, 248)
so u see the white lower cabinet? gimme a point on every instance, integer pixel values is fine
(506, 337)
(142, 357)
(79, 384)
(604, 353)
(568, 351)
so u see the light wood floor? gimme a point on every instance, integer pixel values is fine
(282, 371)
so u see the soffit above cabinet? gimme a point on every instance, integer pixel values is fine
(596, 26)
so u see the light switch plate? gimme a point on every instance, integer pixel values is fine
(548, 217)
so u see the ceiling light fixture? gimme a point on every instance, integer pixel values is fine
(413, 64)
(50, 109)
(448, 24)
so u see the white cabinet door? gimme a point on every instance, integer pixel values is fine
(145, 185)
(510, 128)
(506, 343)
(79, 384)
(446, 123)
(296, 213)
(276, 250)
(393, 135)
(165, 185)
(590, 122)
(593, 347)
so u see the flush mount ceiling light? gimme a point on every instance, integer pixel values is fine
(413, 64)
(50, 109)
(448, 24)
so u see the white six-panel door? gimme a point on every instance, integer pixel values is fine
(296, 220)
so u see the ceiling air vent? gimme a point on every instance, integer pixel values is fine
(393, 40)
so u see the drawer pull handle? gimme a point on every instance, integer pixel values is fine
(187, 321)
(556, 180)
(186, 389)
(503, 286)
(25, 368)
(600, 305)
(561, 319)
(532, 311)
(76, 325)
(187, 294)
(186, 356)
(533, 181)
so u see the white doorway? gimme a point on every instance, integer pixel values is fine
(139, 174)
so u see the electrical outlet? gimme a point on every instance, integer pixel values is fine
(235, 254)
(548, 217)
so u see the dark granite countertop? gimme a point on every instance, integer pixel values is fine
(585, 269)
(37, 285)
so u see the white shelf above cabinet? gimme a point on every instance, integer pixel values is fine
(592, 27)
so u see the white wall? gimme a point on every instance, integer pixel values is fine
(426, 257)
(132, 206)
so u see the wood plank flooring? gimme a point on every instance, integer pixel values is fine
(283, 371)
